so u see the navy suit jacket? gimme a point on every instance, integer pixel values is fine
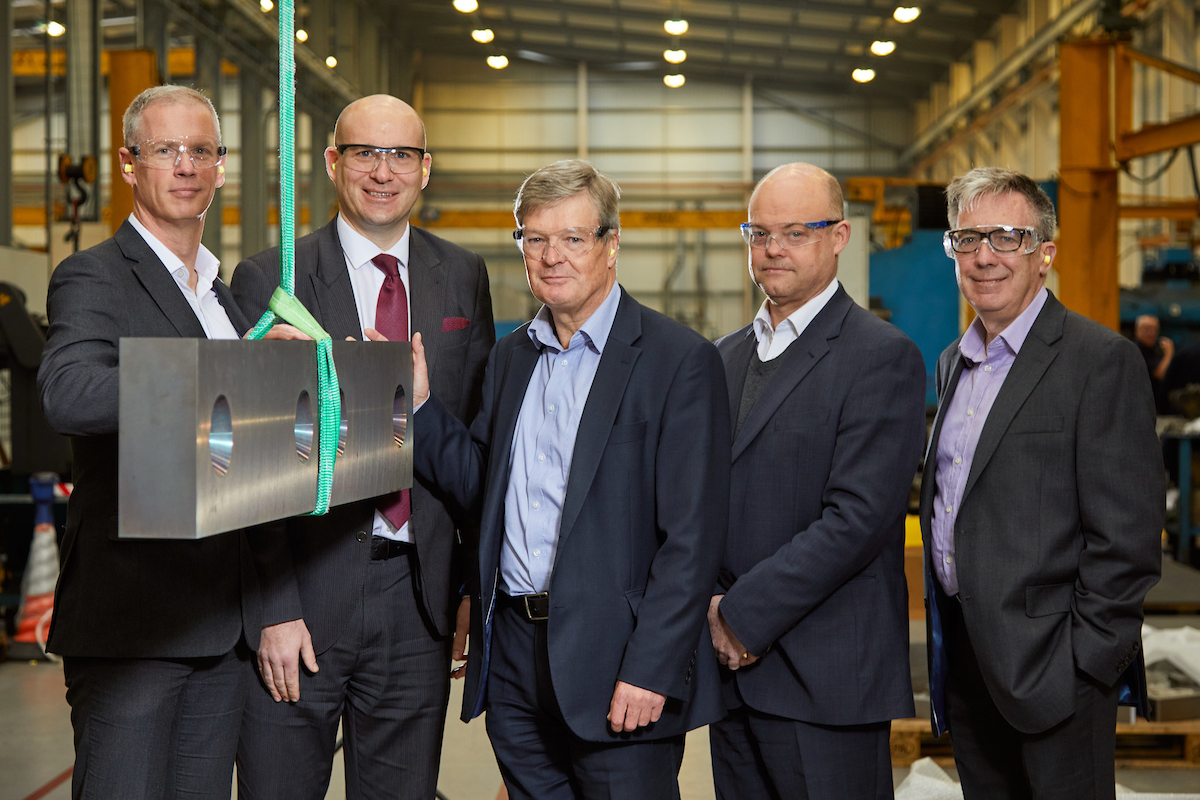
(1057, 536)
(129, 598)
(316, 571)
(643, 520)
(813, 573)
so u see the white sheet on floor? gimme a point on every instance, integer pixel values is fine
(927, 781)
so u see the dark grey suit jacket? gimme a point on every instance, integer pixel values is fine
(1057, 537)
(643, 520)
(813, 572)
(123, 598)
(316, 572)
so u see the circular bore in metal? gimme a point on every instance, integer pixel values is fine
(399, 417)
(343, 425)
(304, 427)
(220, 436)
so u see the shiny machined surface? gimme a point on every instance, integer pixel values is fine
(214, 434)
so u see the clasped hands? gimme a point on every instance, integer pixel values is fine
(729, 649)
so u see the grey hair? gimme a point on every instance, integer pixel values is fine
(562, 180)
(965, 190)
(131, 123)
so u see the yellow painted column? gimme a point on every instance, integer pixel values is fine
(130, 73)
(1088, 205)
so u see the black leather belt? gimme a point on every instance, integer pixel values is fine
(383, 548)
(533, 607)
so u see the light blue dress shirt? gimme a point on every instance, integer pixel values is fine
(543, 444)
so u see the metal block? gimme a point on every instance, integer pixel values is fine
(220, 435)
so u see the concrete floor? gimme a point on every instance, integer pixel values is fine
(35, 748)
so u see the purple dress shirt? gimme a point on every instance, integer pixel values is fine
(985, 368)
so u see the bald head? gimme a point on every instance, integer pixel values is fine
(803, 179)
(384, 116)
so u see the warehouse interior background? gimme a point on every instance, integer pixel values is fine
(1099, 100)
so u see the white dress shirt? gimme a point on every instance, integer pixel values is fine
(204, 301)
(367, 280)
(772, 341)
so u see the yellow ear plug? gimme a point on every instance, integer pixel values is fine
(220, 170)
(424, 172)
(129, 167)
(612, 252)
(1045, 259)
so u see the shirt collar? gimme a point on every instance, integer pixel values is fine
(207, 265)
(360, 250)
(798, 319)
(972, 346)
(594, 330)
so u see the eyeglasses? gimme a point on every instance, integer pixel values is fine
(165, 153)
(569, 242)
(1002, 239)
(788, 240)
(366, 158)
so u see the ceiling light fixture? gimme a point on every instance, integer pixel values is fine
(883, 48)
(863, 75)
(906, 13)
(675, 56)
(265, 5)
(55, 28)
(331, 62)
(676, 27)
(466, 6)
(674, 81)
(497, 62)
(301, 35)
(483, 35)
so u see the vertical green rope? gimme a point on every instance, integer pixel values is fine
(283, 304)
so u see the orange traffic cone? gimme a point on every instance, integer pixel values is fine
(41, 573)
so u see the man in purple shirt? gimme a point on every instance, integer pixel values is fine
(1041, 507)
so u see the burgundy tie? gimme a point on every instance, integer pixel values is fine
(391, 319)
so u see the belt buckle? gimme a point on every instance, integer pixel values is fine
(537, 606)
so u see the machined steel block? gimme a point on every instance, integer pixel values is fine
(219, 435)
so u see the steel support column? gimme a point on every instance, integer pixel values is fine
(253, 165)
(152, 34)
(6, 118)
(208, 80)
(320, 194)
(130, 72)
(1087, 261)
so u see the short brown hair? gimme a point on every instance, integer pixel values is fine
(562, 180)
(966, 189)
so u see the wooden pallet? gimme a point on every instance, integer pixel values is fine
(1142, 745)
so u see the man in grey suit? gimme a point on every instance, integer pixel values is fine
(368, 591)
(810, 616)
(1041, 508)
(155, 635)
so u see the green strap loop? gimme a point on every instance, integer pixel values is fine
(283, 303)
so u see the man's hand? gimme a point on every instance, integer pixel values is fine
(1168, 347)
(282, 330)
(632, 708)
(372, 335)
(729, 649)
(420, 372)
(279, 655)
(462, 627)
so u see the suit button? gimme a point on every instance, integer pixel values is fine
(361, 536)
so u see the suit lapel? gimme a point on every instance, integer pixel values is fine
(332, 291)
(236, 317)
(158, 283)
(1036, 354)
(425, 295)
(608, 387)
(737, 364)
(795, 364)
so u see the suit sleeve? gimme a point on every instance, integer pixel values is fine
(252, 286)
(692, 499)
(880, 433)
(1119, 473)
(79, 375)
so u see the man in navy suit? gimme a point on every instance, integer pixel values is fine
(810, 617)
(366, 595)
(598, 466)
(155, 635)
(1041, 511)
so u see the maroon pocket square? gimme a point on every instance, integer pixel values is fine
(454, 324)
